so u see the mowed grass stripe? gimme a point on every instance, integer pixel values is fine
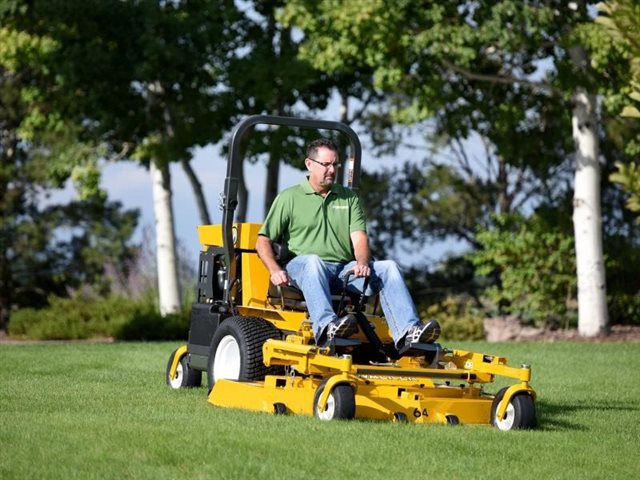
(103, 411)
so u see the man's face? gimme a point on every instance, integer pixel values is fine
(322, 171)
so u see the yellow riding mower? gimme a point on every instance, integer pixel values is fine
(256, 344)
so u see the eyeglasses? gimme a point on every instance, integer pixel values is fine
(335, 165)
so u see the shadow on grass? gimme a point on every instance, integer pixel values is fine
(566, 416)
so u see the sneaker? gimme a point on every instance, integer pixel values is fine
(342, 327)
(423, 333)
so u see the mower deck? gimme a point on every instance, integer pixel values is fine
(404, 391)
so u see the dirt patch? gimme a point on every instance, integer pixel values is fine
(503, 329)
(6, 339)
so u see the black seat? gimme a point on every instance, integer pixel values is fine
(292, 297)
(286, 296)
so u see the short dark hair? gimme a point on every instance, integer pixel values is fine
(312, 148)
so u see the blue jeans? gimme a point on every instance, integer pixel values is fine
(317, 278)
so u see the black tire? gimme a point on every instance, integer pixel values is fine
(452, 420)
(400, 417)
(279, 408)
(521, 412)
(341, 403)
(237, 343)
(186, 376)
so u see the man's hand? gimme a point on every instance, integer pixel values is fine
(361, 270)
(265, 252)
(361, 253)
(279, 277)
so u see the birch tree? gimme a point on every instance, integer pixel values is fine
(587, 218)
(168, 286)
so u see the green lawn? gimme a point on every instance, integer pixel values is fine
(104, 411)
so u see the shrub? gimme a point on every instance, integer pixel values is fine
(533, 267)
(624, 309)
(149, 325)
(458, 317)
(81, 318)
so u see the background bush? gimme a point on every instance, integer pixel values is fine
(532, 268)
(459, 318)
(81, 318)
(624, 309)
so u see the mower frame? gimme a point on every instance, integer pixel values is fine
(259, 353)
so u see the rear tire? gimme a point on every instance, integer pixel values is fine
(236, 350)
(341, 403)
(520, 414)
(186, 376)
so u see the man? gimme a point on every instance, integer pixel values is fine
(323, 225)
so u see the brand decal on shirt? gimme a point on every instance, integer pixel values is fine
(341, 207)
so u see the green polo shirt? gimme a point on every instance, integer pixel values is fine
(310, 224)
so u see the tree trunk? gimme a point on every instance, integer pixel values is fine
(271, 185)
(5, 288)
(587, 219)
(168, 283)
(502, 183)
(8, 146)
(343, 146)
(201, 202)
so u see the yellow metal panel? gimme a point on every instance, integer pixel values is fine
(289, 321)
(180, 352)
(244, 235)
(255, 281)
(210, 235)
(294, 392)
(380, 402)
(427, 405)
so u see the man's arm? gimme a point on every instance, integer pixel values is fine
(265, 252)
(360, 242)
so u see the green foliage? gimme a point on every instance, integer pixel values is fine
(628, 175)
(620, 19)
(459, 317)
(118, 317)
(414, 202)
(614, 43)
(623, 282)
(534, 268)
(57, 248)
(619, 22)
(50, 247)
(478, 80)
(624, 308)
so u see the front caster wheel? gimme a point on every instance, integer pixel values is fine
(341, 403)
(520, 414)
(185, 375)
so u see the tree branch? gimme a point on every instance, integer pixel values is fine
(505, 80)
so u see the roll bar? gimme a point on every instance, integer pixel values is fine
(230, 195)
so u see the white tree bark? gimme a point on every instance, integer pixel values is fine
(168, 283)
(593, 316)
